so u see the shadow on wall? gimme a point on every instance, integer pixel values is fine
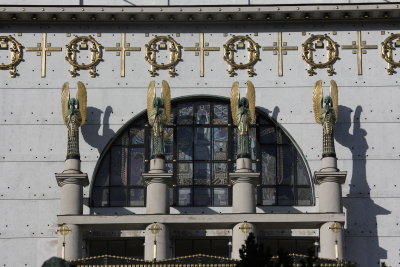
(90, 130)
(274, 114)
(362, 211)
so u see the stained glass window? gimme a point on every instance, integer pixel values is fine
(200, 142)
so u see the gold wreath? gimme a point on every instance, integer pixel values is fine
(387, 53)
(254, 55)
(307, 54)
(96, 54)
(16, 55)
(151, 51)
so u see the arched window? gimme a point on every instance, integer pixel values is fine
(200, 145)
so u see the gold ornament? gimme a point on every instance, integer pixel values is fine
(16, 54)
(253, 54)
(95, 50)
(174, 54)
(388, 45)
(332, 53)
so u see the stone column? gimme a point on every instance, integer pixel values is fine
(243, 182)
(157, 181)
(71, 181)
(330, 180)
(240, 232)
(157, 242)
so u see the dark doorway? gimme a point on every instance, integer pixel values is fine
(132, 247)
(215, 247)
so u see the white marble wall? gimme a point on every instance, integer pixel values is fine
(33, 137)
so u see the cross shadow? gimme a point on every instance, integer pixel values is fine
(361, 230)
(90, 130)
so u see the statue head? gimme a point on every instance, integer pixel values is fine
(244, 102)
(328, 100)
(72, 102)
(157, 102)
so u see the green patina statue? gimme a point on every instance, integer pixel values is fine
(74, 115)
(326, 114)
(243, 114)
(158, 113)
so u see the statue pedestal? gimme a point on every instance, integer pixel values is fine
(330, 180)
(243, 182)
(157, 181)
(71, 181)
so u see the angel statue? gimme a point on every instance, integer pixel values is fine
(158, 114)
(326, 113)
(74, 115)
(243, 114)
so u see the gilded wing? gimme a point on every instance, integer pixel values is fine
(251, 97)
(64, 102)
(151, 94)
(166, 97)
(81, 95)
(335, 98)
(235, 95)
(317, 98)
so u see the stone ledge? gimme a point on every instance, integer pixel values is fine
(150, 178)
(204, 221)
(334, 177)
(72, 178)
(244, 177)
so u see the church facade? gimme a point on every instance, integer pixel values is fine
(94, 184)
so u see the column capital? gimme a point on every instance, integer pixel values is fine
(164, 178)
(244, 177)
(72, 178)
(334, 177)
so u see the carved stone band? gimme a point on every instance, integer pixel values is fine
(244, 177)
(72, 178)
(334, 177)
(164, 178)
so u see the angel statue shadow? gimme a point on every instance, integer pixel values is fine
(363, 219)
(91, 132)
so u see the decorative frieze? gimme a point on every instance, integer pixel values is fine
(231, 49)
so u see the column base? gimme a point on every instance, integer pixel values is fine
(331, 241)
(240, 232)
(157, 246)
(72, 248)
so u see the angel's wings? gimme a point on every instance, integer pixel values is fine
(166, 97)
(335, 98)
(151, 94)
(64, 102)
(235, 96)
(251, 97)
(81, 95)
(317, 100)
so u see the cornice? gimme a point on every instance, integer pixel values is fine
(193, 14)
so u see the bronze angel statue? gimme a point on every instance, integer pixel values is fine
(74, 115)
(158, 114)
(326, 113)
(243, 114)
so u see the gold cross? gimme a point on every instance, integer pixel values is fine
(44, 49)
(359, 47)
(123, 49)
(201, 49)
(280, 48)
